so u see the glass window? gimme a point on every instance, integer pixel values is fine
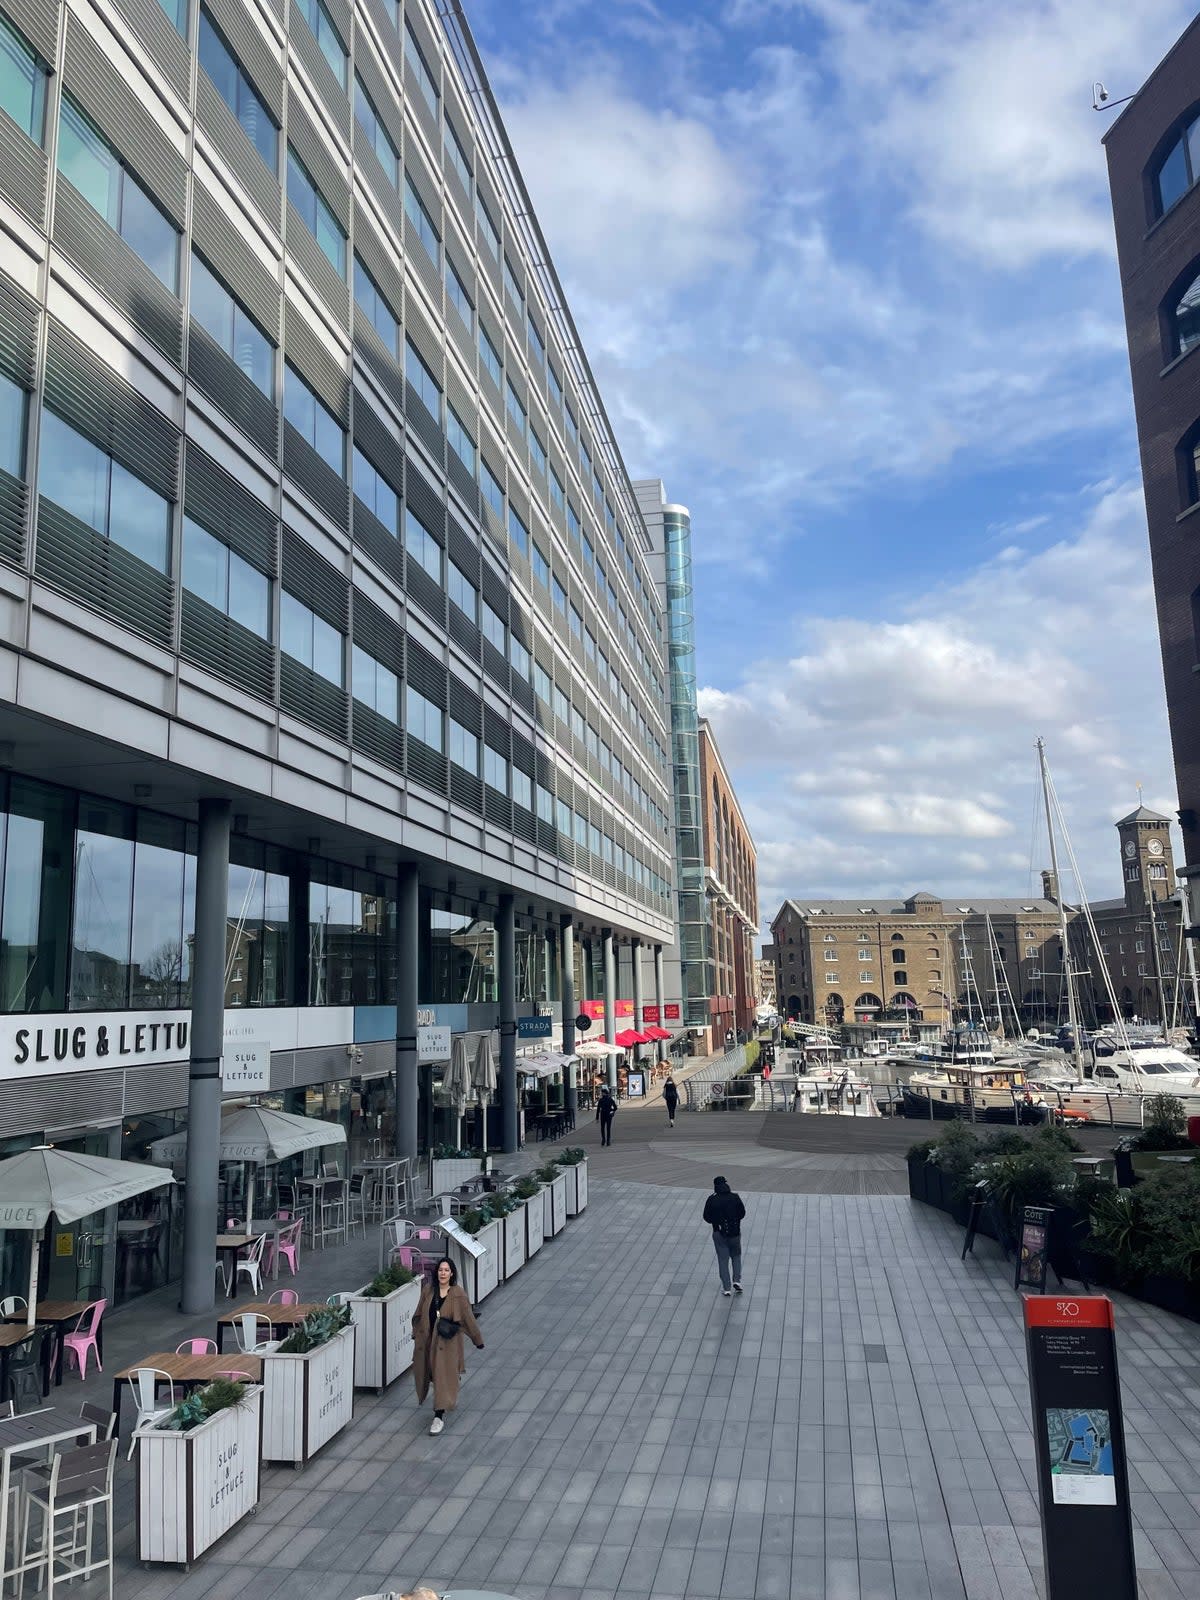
(415, 61)
(589, 645)
(522, 788)
(12, 427)
(455, 155)
(374, 685)
(578, 725)
(541, 567)
(220, 315)
(1174, 178)
(462, 592)
(541, 683)
(519, 657)
(562, 706)
(574, 529)
(218, 575)
(327, 37)
(310, 640)
(557, 497)
(571, 424)
(559, 596)
(103, 908)
(22, 83)
(377, 135)
(159, 952)
(537, 450)
(78, 476)
(368, 297)
(545, 804)
(486, 228)
(464, 748)
(313, 421)
(494, 629)
(1186, 326)
(419, 218)
(512, 288)
(375, 492)
(176, 12)
(422, 546)
(562, 817)
(88, 161)
(537, 345)
(422, 380)
(238, 93)
(555, 383)
(423, 718)
(576, 621)
(315, 214)
(492, 492)
(490, 357)
(461, 441)
(518, 532)
(512, 404)
(457, 295)
(495, 769)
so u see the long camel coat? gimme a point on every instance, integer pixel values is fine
(439, 1360)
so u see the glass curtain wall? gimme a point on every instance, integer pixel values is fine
(351, 939)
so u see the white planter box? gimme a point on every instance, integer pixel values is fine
(307, 1398)
(577, 1187)
(512, 1232)
(193, 1487)
(479, 1275)
(555, 1197)
(446, 1175)
(383, 1346)
(533, 1213)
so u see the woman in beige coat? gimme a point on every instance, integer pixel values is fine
(438, 1359)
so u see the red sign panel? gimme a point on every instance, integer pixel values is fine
(1063, 1311)
(649, 1013)
(595, 1009)
(671, 1012)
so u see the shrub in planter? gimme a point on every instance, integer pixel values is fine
(317, 1329)
(201, 1404)
(526, 1187)
(571, 1156)
(308, 1386)
(382, 1317)
(387, 1282)
(1040, 1174)
(197, 1472)
(1164, 1125)
(954, 1154)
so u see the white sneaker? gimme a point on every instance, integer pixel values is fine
(436, 1425)
(727, 1292)
(737, 1288)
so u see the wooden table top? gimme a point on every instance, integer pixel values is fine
(280, 1315)
(195, 1369)
(11, 1334)
(233, 1241)
(53, 1310)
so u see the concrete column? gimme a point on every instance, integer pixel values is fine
(660, 999)
(198, 1288)
(610, 1002)
(408, 922)
(506, 975)
(566, 956)
(636, 952)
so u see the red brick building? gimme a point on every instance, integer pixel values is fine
(731, 885)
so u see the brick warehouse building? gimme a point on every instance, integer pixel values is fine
(1153, 153)
(731, 885)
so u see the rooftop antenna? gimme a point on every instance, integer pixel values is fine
(1100, 100)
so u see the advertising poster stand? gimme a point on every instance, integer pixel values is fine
(1079, 1442)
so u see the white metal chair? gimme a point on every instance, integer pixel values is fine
(144, 1382)
(249, 1261)
(339, 1298)
(12, 1304)
(76, 1481)
(246, 1331)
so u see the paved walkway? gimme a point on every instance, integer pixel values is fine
(855, 1427)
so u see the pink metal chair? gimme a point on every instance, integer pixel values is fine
(289, 1244)
(197, 1347)
(284, 1297)
(80, 1339)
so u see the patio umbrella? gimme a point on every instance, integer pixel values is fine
(627, 1037)
(483, 1082)
(45, 1182)
(597, 1047)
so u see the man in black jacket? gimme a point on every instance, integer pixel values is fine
(723, 1211)
(606, 1110)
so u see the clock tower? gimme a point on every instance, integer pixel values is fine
(1146, 857)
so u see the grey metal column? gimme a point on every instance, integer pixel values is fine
(408, 896)
(566, 956)
(660, 999)
(610, 1003)
(198, 1288)
(636, 952)
(506, 975)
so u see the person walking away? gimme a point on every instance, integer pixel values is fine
(723, 1211)
(606, 1110)
(671, 1096)
(442, 1316)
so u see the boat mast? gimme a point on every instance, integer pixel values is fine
(991, 936)
(1068, 974)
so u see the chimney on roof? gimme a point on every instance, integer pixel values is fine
(1049, 885)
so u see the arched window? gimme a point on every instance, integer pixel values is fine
(1183, 318)
(1187, 465)
(867, 1002)
(897, 938)
(899, 977)
(1178, 167)
(898, 958)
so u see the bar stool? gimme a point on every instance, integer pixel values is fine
(332, 1212)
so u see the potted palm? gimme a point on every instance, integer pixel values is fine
(308, 1386)
(198, 1471)
(572, 1162)
(382, 1313)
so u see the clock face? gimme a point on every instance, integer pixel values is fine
(1155, 847)
(1130, 849)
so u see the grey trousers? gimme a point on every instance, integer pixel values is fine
(729, 1259)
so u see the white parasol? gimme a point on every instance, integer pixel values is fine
(45, 1182)
(483, 1069)
(255, 1135)
(597, 1047)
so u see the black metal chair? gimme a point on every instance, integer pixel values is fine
(26, 1371)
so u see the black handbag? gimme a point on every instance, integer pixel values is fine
(447, 1327)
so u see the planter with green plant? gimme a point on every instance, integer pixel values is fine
(554, 1197)
(198, 1471)
(504, 1208)
(527, 1192)
(451, 1165)
(308, 1386)
(572, 1162)
(478, 1273)
(382, 1312)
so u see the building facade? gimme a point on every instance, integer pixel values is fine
(326, 596)
(766, 977)
(1154, 163)
(731, 888)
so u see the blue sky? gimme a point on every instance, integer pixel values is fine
(845, 273)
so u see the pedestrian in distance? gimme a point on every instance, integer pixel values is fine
(671, 1097)
(442, 1316)
(723, 1211)
(606, 1110)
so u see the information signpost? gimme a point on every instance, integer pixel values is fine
(1079, 1441)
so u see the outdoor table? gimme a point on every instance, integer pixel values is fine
(228, 1245)
(185, 1370)
(62, 1315)
(279, 1316)
(20, 1436)
(11, 1335)
(272, 1227)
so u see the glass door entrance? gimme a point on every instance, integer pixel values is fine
(78, 1257)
